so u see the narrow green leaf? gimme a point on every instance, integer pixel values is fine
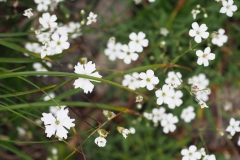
(18, 60)
(13, 149)
(15, 34)
(26, 92)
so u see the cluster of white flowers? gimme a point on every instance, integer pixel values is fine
(126, 52)
(200, 87)
(168, 95)
(193, 154)
(40, 68)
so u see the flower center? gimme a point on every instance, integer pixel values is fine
(58, 43)
(148, 80)
(57, 122)
(205, 55)
(128, 53)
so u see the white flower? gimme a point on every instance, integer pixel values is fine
(164, 31)
(163, 95)
(195, 12)
(139, 98)
(209, 157)
(86, 69)
(137, 1)
(34, 47)
(131, 81)
(168, 123)
(42, 4)
(202, 151)
(148, 116)
(138, 41)
(49, 96)
(91, 18)
(54, 109)
(202, 104)
(174, 79)
(233, 126)
(128, 54)
(201, 81)
(219, 39)
(191, 153)
(123, 131)
(148, 80)
(188, 114)
(40, 68)
(46, 50)
(132, 130)
(28, 12)
(59, 43)
(100, 141)
(57, 125)
(198, 32)
(204, 57)
(113, 50)
(175, 98)
(228, 8)
(48, 21)
(43, 37)
(21, 131)
(74, 29)
(158, 114)
(203, 94)
(151, 0)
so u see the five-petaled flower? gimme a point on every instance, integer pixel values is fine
(148, 79)
(233, 126)
(48, 21)
(57, 125)
(138, 41)
(191, 153)
(84, 83)
(204, 57)
(228, 8)
(198, 32)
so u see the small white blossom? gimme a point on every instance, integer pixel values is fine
(100, 141)
(195, 12)
(137, 1)
(209, 157)
(42, 4)
(201, 81)
(188, 114)
(148, 116)
(164, 31)
(74, 29)
(233, 126)
(21, 131)
(48, 21)
(113, 50)
(158, 114)
(220, 38)
(168, 123)
(59, 43)
(176, 100)
(91, 18)
(33, 47)
(132, 130)
(123, 131)
(204, 57)
(228, 7)
(128, 54)
(87, 69)
(54, 109)
(238, 142)
(139, 98)
(203, 94)
(202, 104)
(191, 153)
(198, 32)
(40, 68)
(28, 13)
(49, 96)
(138, 41)
(57, 125)
(46, 51)
(163, 95)
(174, 79)
(148, 79)
(131, 81)
(202, 151)
(151, 1)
